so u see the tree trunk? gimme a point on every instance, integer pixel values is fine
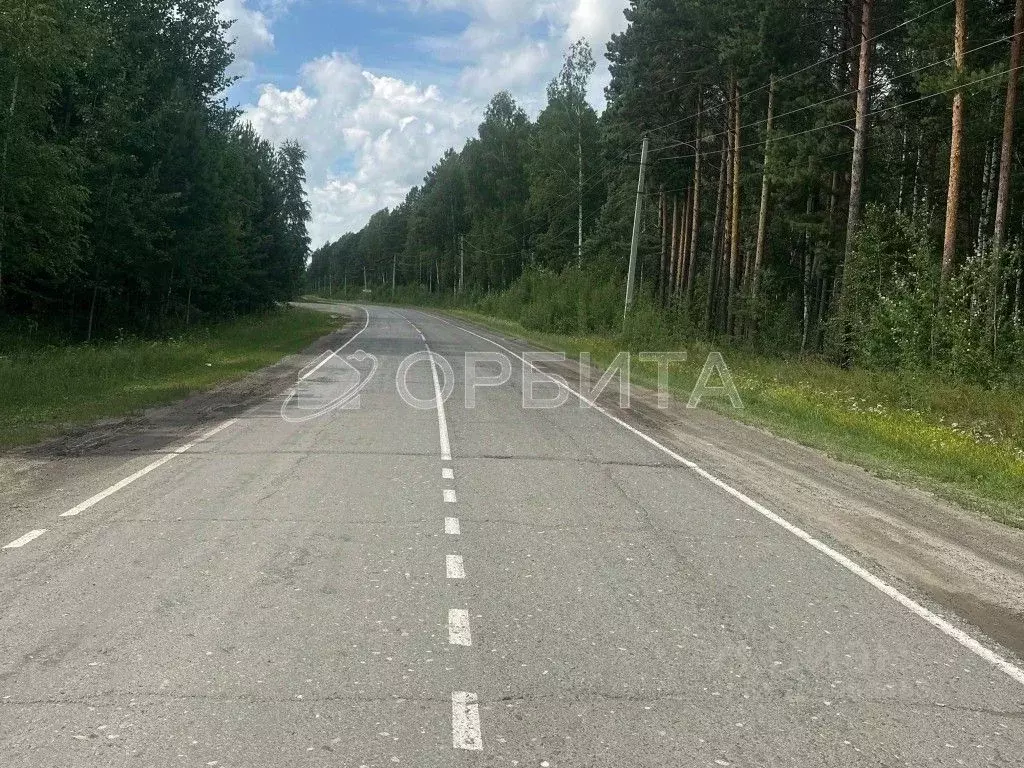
(3, 179)
(810, 256)
(1009, 119)
(734, 235)
(762, 219)
(860, 131)
(988, 194)
(672, 251)
(579, 170)
(713, 271)
(695, 223)
(663, 273)
(725, 285)
(684, 241)
(955, 151)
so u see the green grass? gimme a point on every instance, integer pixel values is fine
(962, 442)
(48, 389)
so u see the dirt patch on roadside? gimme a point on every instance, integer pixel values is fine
(154, 430)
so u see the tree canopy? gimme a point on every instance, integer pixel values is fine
(131, 197)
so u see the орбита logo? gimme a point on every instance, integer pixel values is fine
(329, 383)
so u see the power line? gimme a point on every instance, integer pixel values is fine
(844, 95)
(843, 123)
(818, 63)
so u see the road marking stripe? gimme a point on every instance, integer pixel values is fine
(449, 496)
(466, 721)
(452, 526)
(92, 501)
(336, 351)
(30, 536)
(447, 473)
(454, 567)
(458, 627)
(442, 421)
(932, 618)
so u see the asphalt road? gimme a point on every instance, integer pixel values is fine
(379, 585)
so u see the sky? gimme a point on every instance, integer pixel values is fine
(376, 90)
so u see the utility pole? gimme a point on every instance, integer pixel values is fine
(462, 261)
(394, 267)
(635, 244)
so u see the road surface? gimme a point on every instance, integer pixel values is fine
(498, 586)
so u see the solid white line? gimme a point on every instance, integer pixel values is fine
(454, 567)
(466, 721)
(934, 619)
(92, 501)
(452, 526)
(447, 473)
(442, 421)
(32, 535)
(449, 496)
(336, 351)
(458, 627)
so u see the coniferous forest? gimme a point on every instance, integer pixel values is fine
(842, 179)
(131, 198)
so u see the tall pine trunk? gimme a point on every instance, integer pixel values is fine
(762, 219)
(684, 224)
(663, 273)
(670, 284)
(1009, 119)
(955, 151)
(695, 223)
(860, 132)
(714, 272)
(734, 229)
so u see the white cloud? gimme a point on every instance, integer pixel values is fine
(250, 32)
(518, 45)
(371, 137)
(383, 132)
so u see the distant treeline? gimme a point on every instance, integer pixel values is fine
(840, 178)
(130, 196)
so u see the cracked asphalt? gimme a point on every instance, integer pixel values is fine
(283, 594)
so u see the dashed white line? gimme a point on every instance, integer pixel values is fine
(964, 639)
(92, 501)
(454, 567)
(449, 496)
(458, 627)
(452, 526)
(466, 721)
(30, 536)
(447, 473)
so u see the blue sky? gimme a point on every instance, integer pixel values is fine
(376, 90)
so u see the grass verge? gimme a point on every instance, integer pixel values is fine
(961, 442)
(48, 389)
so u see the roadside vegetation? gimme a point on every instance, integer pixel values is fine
(50, 387)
